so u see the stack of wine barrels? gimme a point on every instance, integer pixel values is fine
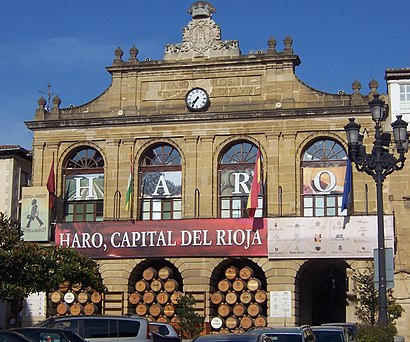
(156, 295)
(74, 300)
(240, 302)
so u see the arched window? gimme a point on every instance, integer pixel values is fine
(84, 185)
(160, 184)
(323, 173)
(235, 173)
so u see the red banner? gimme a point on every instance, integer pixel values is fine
(166, 238)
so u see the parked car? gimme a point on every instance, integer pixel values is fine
(48, 335)
(12, 336)
(164, 332)
(103, 328)
(245, 337)
(331, 333)
(287, 334)
(352, 327)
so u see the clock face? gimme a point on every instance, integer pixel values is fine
(197, 99)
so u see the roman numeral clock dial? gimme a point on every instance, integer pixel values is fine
(197, 99)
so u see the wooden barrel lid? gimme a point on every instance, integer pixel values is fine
(217, 297)
(135, 298)
(246, 297)
(171, 285)
(96, 297)
(165, 273)
(141, 285)
(246, 273)
(56, 296)
(238, 285)
(157, 285)
(239, 310)
(76, 309)
(217, 322)
(83, 297)
(254, 284)
(169, 310)
(231, 297)
(254, 309)
(261, 321)
(155, 310)
(90, 309)
(247, 322)
(261, 296)
(63, 308)
(162, 297)
(224, 285)
(231, 322)
(149, 274)
(231, 273)
(148, 297)
(70, 297)
(175, 297)
(224, 310)
(141, 309)
(163, 319)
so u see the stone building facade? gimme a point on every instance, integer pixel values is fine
(184, 133)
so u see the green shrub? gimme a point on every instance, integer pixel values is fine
(376, 333)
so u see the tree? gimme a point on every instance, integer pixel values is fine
(190, 322)
(28, 267)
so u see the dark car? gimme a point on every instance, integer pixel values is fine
(352, 327)
(245, 337)
(11, 336)
(37, 334)
(331, 333)
(287, 334)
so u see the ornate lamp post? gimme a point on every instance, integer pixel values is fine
(378, 164)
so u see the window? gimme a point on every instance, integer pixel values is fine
(405, 100)
(323, 173)
(161, 184)
(84, 186)
(235, 174)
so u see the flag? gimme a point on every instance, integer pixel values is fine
(252, 204)
(51, 187)
(129, 188)
(347, 186)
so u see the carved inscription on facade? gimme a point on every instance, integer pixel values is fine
(216, 87)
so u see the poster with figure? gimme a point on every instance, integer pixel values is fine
(35, 214)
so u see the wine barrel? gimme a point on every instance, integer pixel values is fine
(70, 297)
(217, 297)
(90, 309)
(142, 309)
(231, 297)
(246, 297)
(83, 297)
(254, 309)
(261, 321)
(149, 274)
(162, 297)
(169, 310)
(135, 298)
(64, 286)
(261, 296)
(141, 285)
(165, 273)
(254, 284)
(156, 285)
(239, 310)
(156, 310)
(96, 297)
(232, 322)
(231, 273)
(148, 297)
(76, 309)
(217, 323)
(224, 285)
(247, 322)
(163, 319)
(246, 273)
(77, 287)
(224, 310)
(224, 331)
(63, 308)
(171, 285)
(57, 296)
(239, 285)
(175, 297)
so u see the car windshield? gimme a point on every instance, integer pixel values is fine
(328, 336)
(285, 337)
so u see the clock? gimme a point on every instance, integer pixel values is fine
(197, 99)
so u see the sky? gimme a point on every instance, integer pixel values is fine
(68, 44)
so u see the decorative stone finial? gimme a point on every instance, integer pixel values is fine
(288, 41)
(41, 103)
(356, 86)
(201, 9)
(118, 55)
(56, 101)
(133, 53)
(272, 45)
(373, 85)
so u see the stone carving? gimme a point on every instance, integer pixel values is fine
(201, 37)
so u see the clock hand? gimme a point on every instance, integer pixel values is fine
(196, 99)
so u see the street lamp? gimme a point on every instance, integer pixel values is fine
(378, 164)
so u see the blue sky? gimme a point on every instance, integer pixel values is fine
(69, 43)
